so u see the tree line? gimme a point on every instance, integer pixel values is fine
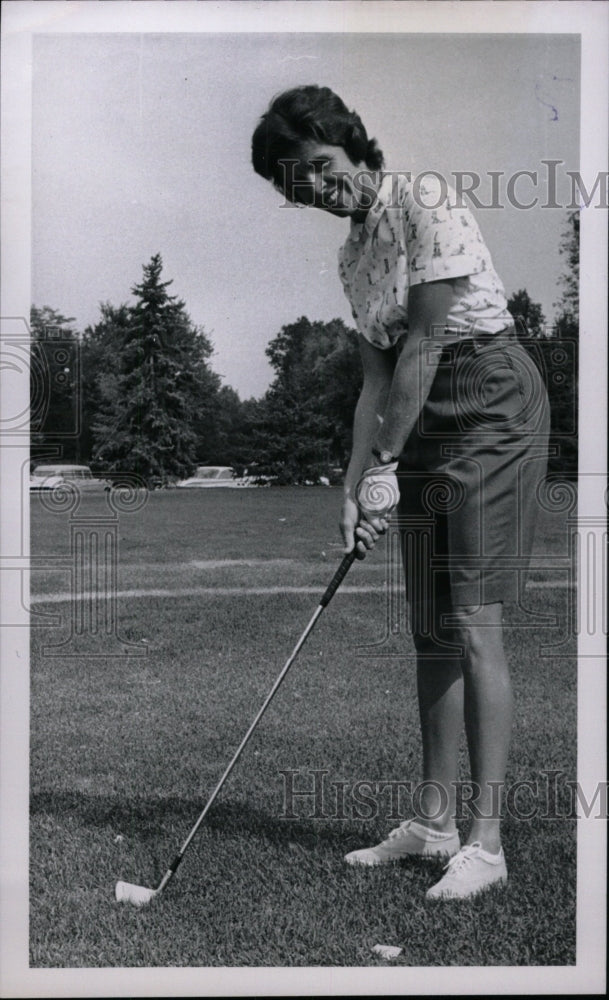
(136, 393)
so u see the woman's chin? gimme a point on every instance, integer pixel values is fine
(344, 212)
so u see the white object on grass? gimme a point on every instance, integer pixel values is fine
(387, 950)
(138, 895)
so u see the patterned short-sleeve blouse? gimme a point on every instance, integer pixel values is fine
(404, 242)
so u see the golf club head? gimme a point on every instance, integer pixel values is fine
(138, 895)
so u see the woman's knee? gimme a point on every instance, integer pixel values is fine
(479, 633)
(432, 634)
(430, 646)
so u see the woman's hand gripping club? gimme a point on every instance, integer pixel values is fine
(365, 518)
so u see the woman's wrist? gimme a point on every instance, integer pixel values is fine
(349, 488)
(352, 478)
(383, 456)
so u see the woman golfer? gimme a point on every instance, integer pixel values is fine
(453, 415)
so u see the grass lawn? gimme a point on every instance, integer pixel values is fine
(125, 750)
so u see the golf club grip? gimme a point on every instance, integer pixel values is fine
(338, 577)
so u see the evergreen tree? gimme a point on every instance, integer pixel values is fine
(160, 389)
(55, 385)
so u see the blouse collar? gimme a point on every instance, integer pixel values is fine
(382, 199)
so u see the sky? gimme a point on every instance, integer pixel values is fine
(141, 144)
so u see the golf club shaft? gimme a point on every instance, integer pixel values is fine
(333, 586)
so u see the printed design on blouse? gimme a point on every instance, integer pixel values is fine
(404, 243)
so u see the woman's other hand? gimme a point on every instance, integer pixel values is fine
(356, 530)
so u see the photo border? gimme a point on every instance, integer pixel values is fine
(21, 19)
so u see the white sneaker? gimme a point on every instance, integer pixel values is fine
(470, 871)
(407, 840)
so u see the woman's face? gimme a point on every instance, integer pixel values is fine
(325, 178)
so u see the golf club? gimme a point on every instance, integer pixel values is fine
(139, 895)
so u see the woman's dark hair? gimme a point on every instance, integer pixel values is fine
(303, 115)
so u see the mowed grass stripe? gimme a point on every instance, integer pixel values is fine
(66, 596)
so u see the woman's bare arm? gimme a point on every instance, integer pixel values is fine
(378, 368)
(378, 372)
(428, 308)
(392, 398)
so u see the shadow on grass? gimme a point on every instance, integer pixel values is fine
(143, 818)
(530, 923)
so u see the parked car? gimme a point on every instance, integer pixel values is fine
(213, 476)
(48, 477)
(40, 483)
